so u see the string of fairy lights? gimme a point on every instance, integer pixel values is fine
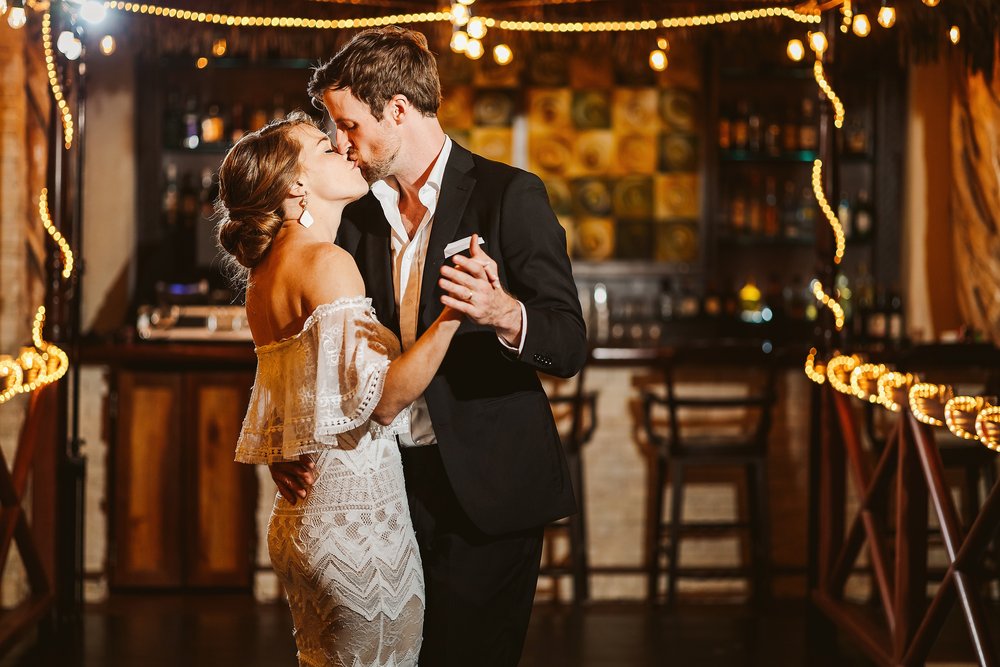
(64, 248)
(35, 366)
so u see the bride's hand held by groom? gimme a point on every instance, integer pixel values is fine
(472, 288)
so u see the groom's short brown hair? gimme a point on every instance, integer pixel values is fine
(380, 63)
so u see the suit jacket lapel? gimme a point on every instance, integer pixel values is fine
(456, 188)
(374, 258)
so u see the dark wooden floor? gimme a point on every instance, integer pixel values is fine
(222, 630)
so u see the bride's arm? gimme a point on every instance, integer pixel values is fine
(410, 373)
(335, 275)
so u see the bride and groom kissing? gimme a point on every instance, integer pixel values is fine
(402, 293)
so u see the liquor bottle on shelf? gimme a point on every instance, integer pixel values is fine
(789, 209)
(666, 301)
(171, 198)
(856, 137)
(212, 126)
(772, 138)
(790, 132)
(739, 126)
(895, 318)
(844, 215)
(807, 213)
(878, 325)
(808, 133)
(794, 295)
(730, 300)
(192, 131)
(755, 216)
(755, 131)
(711, 304)
(772, 226)
(864, 216)
(864, 286)
(725, 130)
(687, 305)
(738, 213)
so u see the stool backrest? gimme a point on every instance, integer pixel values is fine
(725, 392)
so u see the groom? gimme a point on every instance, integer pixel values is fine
(483, 464)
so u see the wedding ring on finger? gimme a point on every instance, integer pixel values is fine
(469, 298)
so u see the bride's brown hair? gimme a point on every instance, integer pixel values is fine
(254, 181)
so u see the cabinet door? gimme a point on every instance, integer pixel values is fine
(147, 488)
(222, 528)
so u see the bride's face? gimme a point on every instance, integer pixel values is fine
(328, 175)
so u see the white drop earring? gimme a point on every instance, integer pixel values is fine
(306, 219)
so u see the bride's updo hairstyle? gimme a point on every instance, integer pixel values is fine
(254, 181)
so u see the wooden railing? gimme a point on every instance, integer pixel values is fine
(891, 520)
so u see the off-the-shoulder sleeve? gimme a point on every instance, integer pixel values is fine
(320, 390)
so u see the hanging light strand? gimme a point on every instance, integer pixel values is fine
(430, 17)
(838, 230)
(276, 21)
(824, 85)
(64, 248)
(57, 93)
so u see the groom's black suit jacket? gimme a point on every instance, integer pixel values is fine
(494, 427)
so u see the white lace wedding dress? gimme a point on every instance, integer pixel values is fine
(346, 555)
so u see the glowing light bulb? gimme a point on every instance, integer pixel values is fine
(466, 2)
(3, 6)
(65, 40)
(219, 47)
(93, 11)
(796, 51)
(460, 14)
(954, 34)
(658, 60)
(459, 41)
(201, 63)
(932, 3)
(474, 49)
(818, 43)
(73, 50)
(108, 45)
(862, 26)
(663, 44)
(17, 18)
(502, 54)
(476, 27)
(887, 16)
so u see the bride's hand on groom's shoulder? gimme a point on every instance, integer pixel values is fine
(293, 478)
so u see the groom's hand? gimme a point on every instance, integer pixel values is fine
(472, 287)
(293, 478)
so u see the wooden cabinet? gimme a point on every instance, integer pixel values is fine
(182, 509)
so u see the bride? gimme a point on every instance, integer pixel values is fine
(331, 390)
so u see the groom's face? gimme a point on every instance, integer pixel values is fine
(372, 144)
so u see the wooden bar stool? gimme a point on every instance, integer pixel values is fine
(718, 401)
(575, 412)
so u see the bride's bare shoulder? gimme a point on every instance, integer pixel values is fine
(327, 273)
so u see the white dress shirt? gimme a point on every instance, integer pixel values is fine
(408, 257)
